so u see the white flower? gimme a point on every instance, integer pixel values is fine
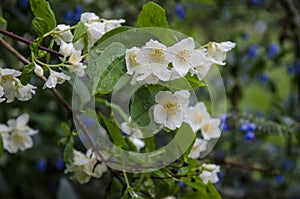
(95, 31)
(24, 93)
(217, 51)
(76, 66)
(56, 78)
(198, 147)
(196, 116)
(38, 70)
(7, 73)
(65, 36)
(17, 136)
(211, 129)
(210, 173)
(79, 45)
(85, 166)
(88, 17)
(131, 62)
(184, 56)
(66, 49)
(134, 135)
(201, 70)
(12, 86)
(153, 52)
(170, 108)
(112, 24)
(1, 94)
(150, 74)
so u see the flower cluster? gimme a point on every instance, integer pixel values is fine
(17, 134)
(249, 129)
(72, 51)
(11, 86)
(85, 166)
(151, 63)
(172, 110)
(156, 62)
(209, 173)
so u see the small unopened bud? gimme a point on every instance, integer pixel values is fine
(38, 70)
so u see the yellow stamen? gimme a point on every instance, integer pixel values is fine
(157, 54)
(171, 108)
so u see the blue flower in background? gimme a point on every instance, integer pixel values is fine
(59, 164)
(252, 51)
(249, 136)
(224, 125)
(279, 179)
(180, 12)
(24, 3)
(256, 2)
(68, 16)
(273, 50)
(294, 69)
(181, 183)
(41, 164)
(288, 165)
(264, 78)
(249, 129)
(72, 17)
(77, 13)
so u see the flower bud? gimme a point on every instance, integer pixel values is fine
(38, 70)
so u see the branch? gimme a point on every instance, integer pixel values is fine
(26, 41)
(26, 61)
(14, 51)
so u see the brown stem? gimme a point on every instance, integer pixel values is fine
(26, 61)
(248, 167)
(26, 41)
(13, 51)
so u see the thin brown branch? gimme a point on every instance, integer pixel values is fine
(13, 51)
(247, 166)
(26, 61)
(26, 41)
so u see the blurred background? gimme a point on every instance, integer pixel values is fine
(259, 151)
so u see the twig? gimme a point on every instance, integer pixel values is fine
(26, 61)
(246, 166)
(26, 41)
(14, 51)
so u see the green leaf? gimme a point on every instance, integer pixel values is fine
(1, 146)
(197, 183)
(152, 15)
(111, 75)
(150, 144)
(44, 20)
(111, 67)
(164, 188)
(207, 191)
(113, 32)
(68, 152)
(27, 73)
(79, 31)
(114, 132)
(66, 128)
(141, 103)
(194, 81)
(184, 83)
(212, 192)
(40, 26)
